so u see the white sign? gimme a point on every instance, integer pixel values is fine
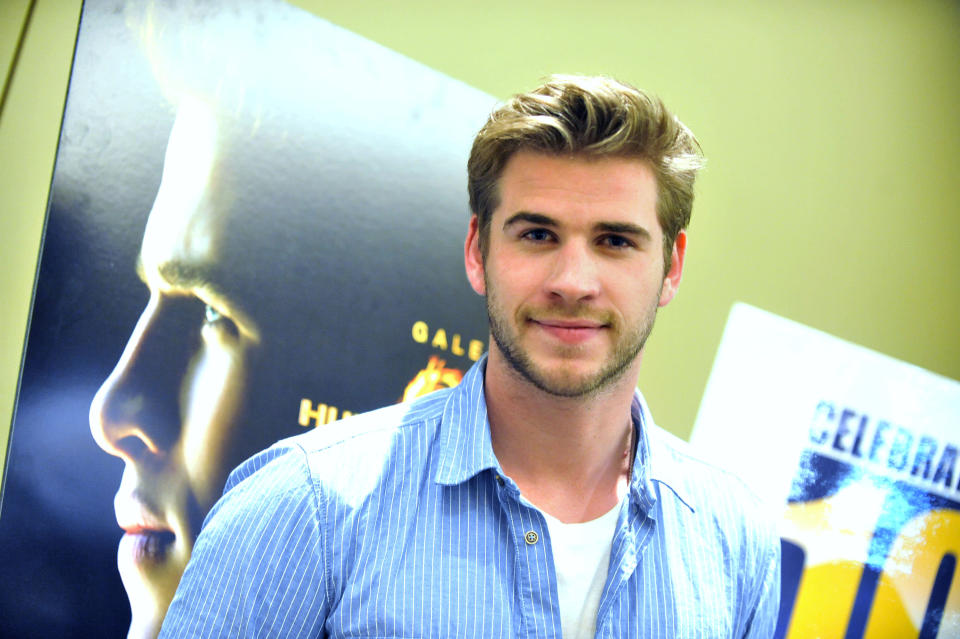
(859, 452)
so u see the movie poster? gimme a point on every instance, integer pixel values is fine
(255, 228)
(858, 453)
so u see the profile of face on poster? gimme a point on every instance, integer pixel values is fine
(255, 228)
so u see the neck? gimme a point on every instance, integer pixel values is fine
(570, 456)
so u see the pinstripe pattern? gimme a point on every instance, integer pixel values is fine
(398, 523)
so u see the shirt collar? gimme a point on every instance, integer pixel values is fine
(466, 448)
(656, 460)
(465, 445)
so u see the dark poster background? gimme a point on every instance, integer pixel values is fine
(341, 183)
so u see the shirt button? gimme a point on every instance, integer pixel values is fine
(531, 537)
(500, 480)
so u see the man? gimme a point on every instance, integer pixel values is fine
(537, 498)
(263, 257)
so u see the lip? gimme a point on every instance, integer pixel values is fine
(147, 546)
(570, 323)
(570, 331)
(147, 537)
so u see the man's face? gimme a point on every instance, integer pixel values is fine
(573, 271)
(170, 407)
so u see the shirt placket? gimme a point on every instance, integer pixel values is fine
(630, 540)
(536, 582)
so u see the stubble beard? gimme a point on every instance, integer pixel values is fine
(562, 383)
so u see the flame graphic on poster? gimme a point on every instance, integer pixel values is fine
(434, 377)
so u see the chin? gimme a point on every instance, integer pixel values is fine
(149, 596)
(144, 627)
(573, 386)
(569, 379)
(146, 615)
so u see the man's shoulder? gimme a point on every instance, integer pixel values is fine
(398, 420)
(360, 443)
(701, 484)
(680, 454)
(680, 451)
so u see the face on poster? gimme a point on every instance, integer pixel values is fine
(255, 228)
(859, 454)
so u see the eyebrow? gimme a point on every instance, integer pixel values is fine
(199, 277)
(532, 218)
(624, 228)
(182, 275)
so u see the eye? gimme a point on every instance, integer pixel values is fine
(214, 318)
(212, 315)
(616, 242)
(537, 235)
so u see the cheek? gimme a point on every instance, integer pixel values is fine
(515, 279)
(636, 296)
(214, 388)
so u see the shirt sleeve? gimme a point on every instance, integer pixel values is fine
(763, 617)
(256, 568)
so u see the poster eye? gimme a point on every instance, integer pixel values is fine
(214, 318)
(212, 315)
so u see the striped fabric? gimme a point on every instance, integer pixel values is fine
(399, 523)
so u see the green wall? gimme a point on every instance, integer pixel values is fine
(29, 128)
(831, 194)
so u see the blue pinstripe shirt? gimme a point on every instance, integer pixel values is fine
(399, 523)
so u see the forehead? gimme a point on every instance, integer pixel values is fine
(184, 221)
(192, 243)
(605, 186)
(211, 208)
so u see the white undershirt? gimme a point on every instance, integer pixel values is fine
(581, 554)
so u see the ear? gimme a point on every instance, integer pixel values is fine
(671, 281)
(473, 257)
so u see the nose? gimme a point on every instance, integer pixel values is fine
(574, 274)
(135, 413)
